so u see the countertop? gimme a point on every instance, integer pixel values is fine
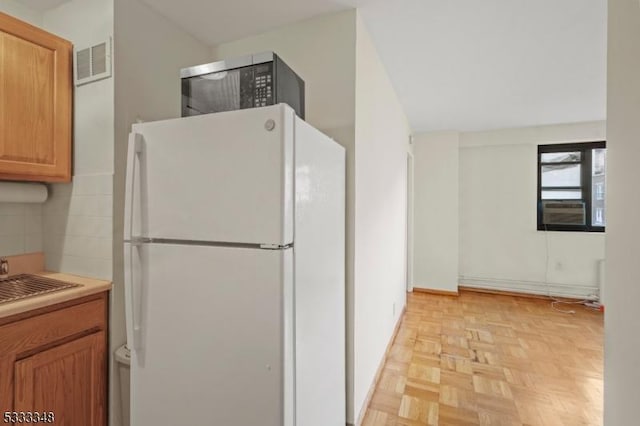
(88, 286)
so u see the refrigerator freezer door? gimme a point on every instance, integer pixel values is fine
(225, 177)
(319, 278)
(215, 345)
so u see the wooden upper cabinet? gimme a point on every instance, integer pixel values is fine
(36, 93)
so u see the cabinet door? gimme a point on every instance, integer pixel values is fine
(68, 380)
(35, 103)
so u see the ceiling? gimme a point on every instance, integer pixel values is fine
(215, 22)
(475, 65)
(455, 64)
(42, 5)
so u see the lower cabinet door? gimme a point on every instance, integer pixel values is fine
(68, 381)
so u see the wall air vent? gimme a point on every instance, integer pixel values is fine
(92, 63)
(563, 213)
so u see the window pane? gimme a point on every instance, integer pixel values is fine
(561, 175)
(555, 157)
(574, 194)
(598, 188)
(599, 161)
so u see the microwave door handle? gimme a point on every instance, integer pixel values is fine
(189, 107)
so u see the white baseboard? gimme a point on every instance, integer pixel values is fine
(530, 287)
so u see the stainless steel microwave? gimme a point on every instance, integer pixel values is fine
(247, 82)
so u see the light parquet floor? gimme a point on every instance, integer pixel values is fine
(480, 359)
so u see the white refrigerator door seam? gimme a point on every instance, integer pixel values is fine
(173, 241)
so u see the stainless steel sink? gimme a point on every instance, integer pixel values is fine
(25, 285)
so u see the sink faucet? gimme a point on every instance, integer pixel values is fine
(4, 268)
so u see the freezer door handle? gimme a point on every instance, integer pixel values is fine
(133, 158)
(133, 282)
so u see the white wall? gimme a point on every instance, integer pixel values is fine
(77, 223)
(77, 217)
(622, 322)
(382, 138)
(436, 211)
(20, 228)
(321, 51)
(149, 53)
(500, 247)
(475, 213)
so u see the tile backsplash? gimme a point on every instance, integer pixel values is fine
(20, 228)
(78, 226)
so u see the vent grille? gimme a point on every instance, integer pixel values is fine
(99, 59)
(563, 213)
(83, 64)
(93, 63)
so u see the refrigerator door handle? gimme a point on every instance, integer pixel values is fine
(128, 292)
(133, 282)
(135, 149)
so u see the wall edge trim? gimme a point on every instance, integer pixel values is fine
(376, 379)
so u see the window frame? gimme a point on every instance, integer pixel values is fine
(586, 182)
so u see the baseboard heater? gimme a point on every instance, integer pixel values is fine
(529, 287)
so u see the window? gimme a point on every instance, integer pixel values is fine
(571, 187)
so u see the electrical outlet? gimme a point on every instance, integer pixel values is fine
(394, 309)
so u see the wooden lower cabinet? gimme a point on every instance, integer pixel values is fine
(66, 380)
(60, 367)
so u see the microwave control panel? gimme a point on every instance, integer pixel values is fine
(257, 85)
(263, 84)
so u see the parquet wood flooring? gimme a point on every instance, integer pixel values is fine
(482, 359)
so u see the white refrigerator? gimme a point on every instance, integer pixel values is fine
(234, 271)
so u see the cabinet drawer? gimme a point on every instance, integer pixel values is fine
(41, 330)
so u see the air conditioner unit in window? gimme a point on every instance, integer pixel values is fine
(563, 212)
